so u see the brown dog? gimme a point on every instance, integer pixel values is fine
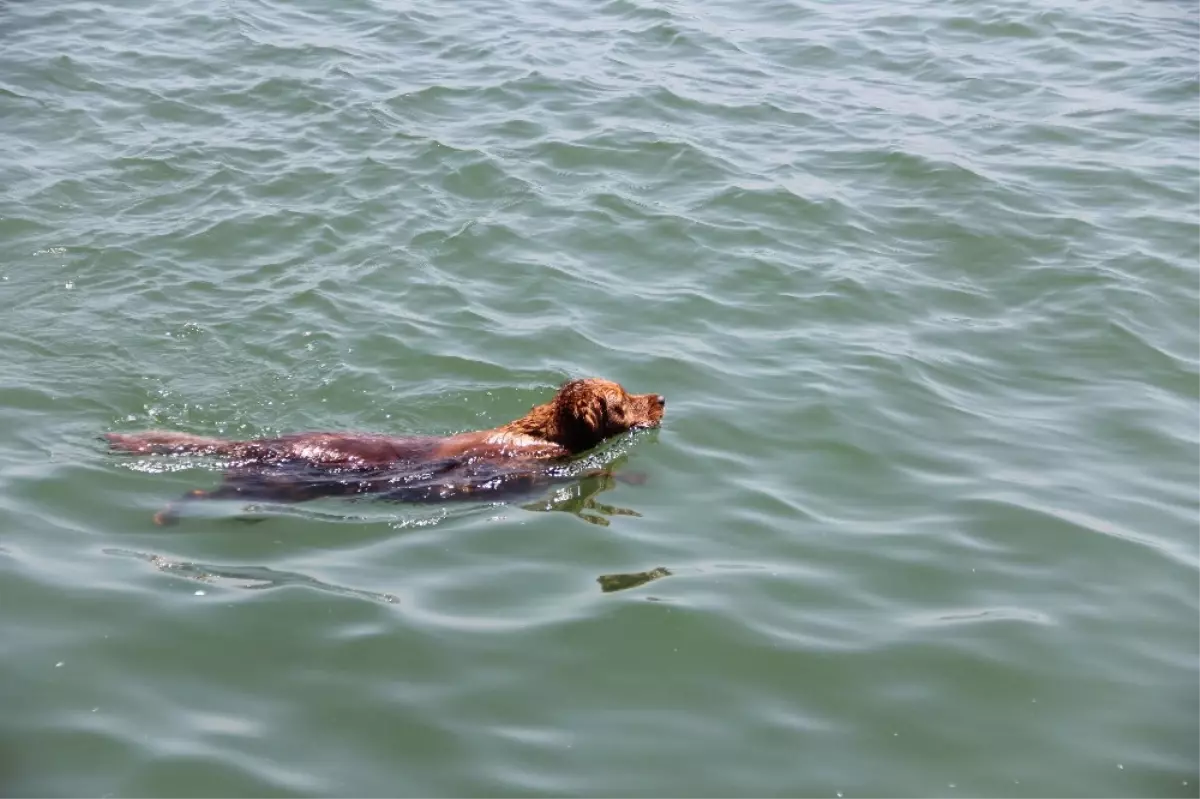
(517, 456)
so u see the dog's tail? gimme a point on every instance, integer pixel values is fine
(164, 442)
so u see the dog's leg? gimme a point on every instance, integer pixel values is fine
(170, 514)
(173, 511)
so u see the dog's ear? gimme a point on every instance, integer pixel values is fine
(582, 415)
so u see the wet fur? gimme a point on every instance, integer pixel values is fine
(512, 457)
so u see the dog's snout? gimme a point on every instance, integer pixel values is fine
(660, 400)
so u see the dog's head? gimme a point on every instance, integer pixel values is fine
(591, 410)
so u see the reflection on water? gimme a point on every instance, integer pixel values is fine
(249, 577)
(574, 490)
(579, 498)
(620, 582)
(260, 577)
(449, 480)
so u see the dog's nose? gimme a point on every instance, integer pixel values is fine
(661, 400)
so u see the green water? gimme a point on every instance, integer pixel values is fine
(918, 280)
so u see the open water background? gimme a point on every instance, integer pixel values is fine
(919, 281)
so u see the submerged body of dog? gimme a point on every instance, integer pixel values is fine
(517, 456)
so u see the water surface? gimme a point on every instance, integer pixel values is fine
(919, 282)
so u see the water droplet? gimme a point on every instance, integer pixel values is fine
(58, 665)
(70, 284)
(1120, 767)
(199, 593)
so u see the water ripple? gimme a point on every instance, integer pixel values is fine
(918, 282)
